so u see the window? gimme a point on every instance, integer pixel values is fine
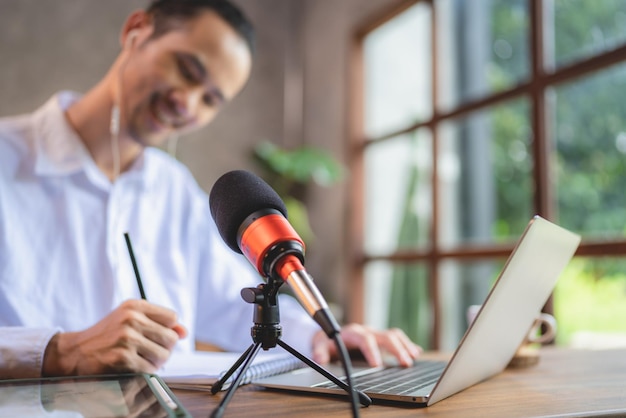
(468, 119)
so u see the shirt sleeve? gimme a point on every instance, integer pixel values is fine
(22, 350)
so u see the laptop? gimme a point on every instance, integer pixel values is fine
(491, 341)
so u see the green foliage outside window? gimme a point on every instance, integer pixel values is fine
(290, 172)
(587, 121)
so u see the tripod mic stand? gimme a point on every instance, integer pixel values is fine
(266, 334)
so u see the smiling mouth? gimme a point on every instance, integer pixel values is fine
(163, 115)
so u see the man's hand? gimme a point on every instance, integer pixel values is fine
(370, 342)
(136, 337)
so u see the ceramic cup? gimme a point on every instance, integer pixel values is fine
(542, 331)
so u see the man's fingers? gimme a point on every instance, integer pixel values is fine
(361, 337)
(164, 316)
(393, 341)
(159, 324)
(321, 348)
(130, 350)
(165, 337)
(180, 330)
(371, 343)
(152, 356)
(414, 350)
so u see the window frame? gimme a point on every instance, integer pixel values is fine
(534, 89)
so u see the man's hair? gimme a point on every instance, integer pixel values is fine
(170, 14)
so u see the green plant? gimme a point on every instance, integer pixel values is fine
(290, 172)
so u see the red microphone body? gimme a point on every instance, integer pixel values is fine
(261, 234)
(275, 249)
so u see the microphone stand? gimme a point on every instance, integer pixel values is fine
(266, 334)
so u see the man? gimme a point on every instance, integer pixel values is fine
(81, 171)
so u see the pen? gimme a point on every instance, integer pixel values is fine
(132, 259)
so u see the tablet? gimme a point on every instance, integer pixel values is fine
(106, 396)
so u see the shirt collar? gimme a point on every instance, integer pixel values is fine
(60, 151)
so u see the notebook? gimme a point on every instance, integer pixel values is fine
(506, 316)
(199, 370)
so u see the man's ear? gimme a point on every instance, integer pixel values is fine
(135, 23)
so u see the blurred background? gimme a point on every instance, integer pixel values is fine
(413, 140)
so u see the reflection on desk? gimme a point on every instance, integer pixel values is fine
(565, 382)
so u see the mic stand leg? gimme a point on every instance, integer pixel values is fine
(363, 398)
(254, 349)
(246, 358)
(266, 334)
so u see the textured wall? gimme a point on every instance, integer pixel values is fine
(328, 30)
(297, 93)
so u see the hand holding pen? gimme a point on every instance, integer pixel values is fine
(165, 321)
(178, 328)
(137, 336)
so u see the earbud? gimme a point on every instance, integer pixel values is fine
(130, 38)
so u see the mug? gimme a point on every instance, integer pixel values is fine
(542, 331)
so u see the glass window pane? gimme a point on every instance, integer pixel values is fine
(398, 78)
(482, 48)
(398, 177)
(582, 29)
(461, 284)
(485, 175)
(590, 303)
(589, 129)
(397, 295)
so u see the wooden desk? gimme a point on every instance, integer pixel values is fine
(564, 383)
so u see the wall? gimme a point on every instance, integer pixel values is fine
(297, 93)
(327, 35)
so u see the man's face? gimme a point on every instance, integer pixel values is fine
(177, 82)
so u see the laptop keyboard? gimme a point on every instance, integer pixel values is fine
(397, 380)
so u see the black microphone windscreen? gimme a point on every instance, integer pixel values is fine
(236, 195)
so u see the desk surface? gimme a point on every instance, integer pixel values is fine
(564, 383)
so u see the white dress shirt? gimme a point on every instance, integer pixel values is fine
(64, 264)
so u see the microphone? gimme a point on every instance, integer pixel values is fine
(252, 219)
